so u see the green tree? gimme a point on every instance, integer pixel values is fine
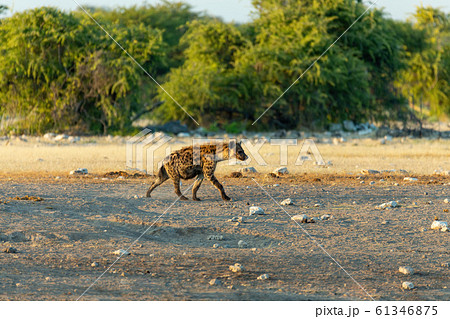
(61, 72)
(425, 79)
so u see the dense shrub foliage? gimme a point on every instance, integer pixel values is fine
(59, 71)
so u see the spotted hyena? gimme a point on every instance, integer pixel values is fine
(180, 165)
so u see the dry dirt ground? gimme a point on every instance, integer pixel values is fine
(81, 220)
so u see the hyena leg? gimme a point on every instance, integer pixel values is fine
(209, 173)
(176, 184)
(196, 186)
(162, 177)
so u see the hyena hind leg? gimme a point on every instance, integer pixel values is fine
(162, 177)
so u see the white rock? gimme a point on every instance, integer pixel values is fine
(121, 252)
(446, 200)
(237, 219)
(411, 179)
(406, 270)
(372, 183)
(183, 134)
(317, 205)
(79, 171)
(287, 201)
(438, 224)
(325, 217)
(216, 245)
(349, 125)
(263, 277)
(242, 244)
(388, 204)
(275, 185)
(61, 137)
(441, 172)
(369, 172)
(248, 170)
(444, 229)
(407, 285)
(302, 218)
(73, 139)
(281, 171)
(94, 264)
(215, 237)
(49, 136)
(237, 268)
(255, 210)
(215, 282)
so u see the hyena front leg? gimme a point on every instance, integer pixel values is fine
(208, 172)
(176, 184)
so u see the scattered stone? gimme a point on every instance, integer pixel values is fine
(407, 285)
(313, 220)
(10, 250)
(438, 224)
(215, 282)
(237, 219)
(406, 270)
(237, 268)
(275, 185)
(362, 182)
(27, 197)
(369, 172)
(326, 217)
(446, 201)
(281, 171)
(263, 277)
(61, 137)
(441, 172)
(287, 201)
(242, 244)
(317, 205)
(445, 265)
(248, 170)
(121, 252)
(372, 183)
(215, 237)
(79, 171)
(255, 210)
(388, 205)
(216, 246)
(49, 136)
(410, 179)
(349, 125)
(396, 184)
(444, 229)
(73, 139)
(94, 264)
(302, 218)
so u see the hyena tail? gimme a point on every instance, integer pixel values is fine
(162, 177)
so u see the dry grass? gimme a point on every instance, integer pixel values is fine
(100, 155)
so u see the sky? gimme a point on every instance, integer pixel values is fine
(229, 10)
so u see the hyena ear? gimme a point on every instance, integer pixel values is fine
(232, 144)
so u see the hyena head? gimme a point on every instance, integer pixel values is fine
(234, 150)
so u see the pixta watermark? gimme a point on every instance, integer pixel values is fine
(147, 151)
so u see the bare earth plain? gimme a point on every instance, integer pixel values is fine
(81, 220)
